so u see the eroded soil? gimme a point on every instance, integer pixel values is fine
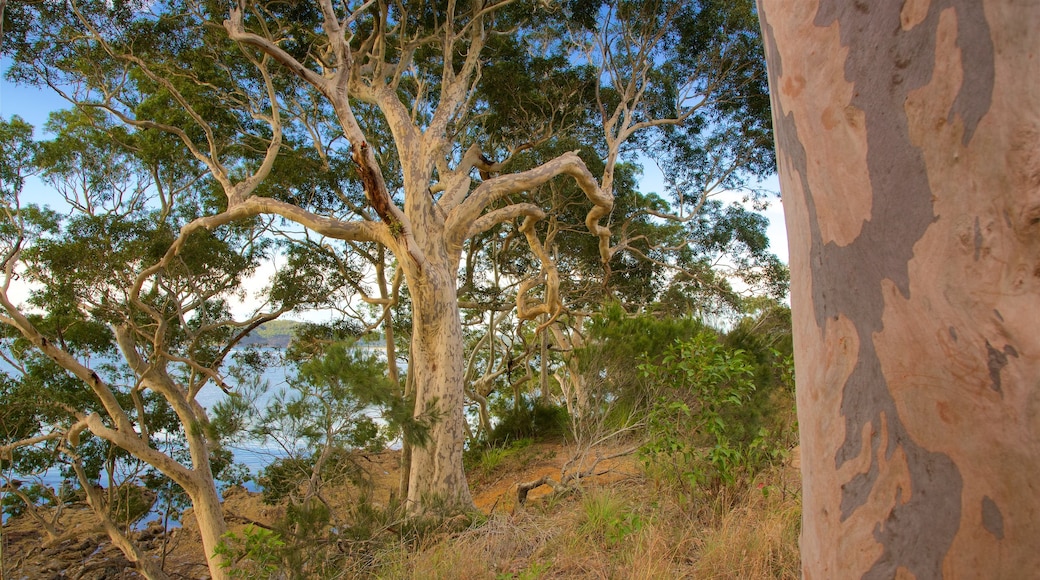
(82, 550)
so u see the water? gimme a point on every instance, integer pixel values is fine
(253, 455)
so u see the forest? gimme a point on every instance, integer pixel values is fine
(380, 288)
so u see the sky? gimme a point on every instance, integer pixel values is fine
(34, 105)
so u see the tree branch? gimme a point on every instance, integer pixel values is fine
(237, 32)
(501, 215)
(462, 217)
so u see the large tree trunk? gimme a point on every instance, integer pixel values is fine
(909, 150)
(210, 517)
(437, 477)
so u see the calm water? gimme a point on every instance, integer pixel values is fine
(254, 455)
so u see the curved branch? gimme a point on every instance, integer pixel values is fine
(362, 231)
(237, 32)
(551, 304)
(248, 185)
(461, 218)
(183, 476)
(508, 213)
(6, 451)
(456, 183)
(132, 551)
(68, 362)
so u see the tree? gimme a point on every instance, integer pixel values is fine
(365, 123)
(683, 84)
(119, 335)
(909, 154)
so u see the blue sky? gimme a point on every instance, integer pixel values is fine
(34, 105)
(30, 103)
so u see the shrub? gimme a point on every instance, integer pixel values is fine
(532, 419)
(256, 553)
(698, 428)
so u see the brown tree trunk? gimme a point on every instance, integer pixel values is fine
(543, 376)
(908, 138)
(437, 477)
(406, 447)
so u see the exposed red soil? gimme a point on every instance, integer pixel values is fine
(85, 552)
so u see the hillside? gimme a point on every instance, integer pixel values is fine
(620, 522)
(274, 334)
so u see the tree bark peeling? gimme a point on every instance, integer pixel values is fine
(918, 413)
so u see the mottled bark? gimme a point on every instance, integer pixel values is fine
(437, 478)
(210, 516)
(909, 150)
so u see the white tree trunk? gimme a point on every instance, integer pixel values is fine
(210, 516)
(437, 478)
(908, 138)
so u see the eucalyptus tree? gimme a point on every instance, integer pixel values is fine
(683, 84)
(224, 82)
(909, 148)
(377, 124)
(126, 319)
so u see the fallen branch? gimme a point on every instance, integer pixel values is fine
(522, 489)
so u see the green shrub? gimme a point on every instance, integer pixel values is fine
(699, 432)
(256, 553)
(608, 519)
(533, 419)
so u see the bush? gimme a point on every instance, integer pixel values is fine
(700, 435)
(254, 554)
(531, 420)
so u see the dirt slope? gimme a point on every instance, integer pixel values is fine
(82, 550)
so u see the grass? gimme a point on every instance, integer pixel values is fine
(607, 517)
(756, 539)
(485, 461)
(614, 532)
(643, 526)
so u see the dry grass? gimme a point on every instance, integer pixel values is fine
(624, 530)
(622, 525)
(758, 539)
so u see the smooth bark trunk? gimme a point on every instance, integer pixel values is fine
(437, 478)
(406, 446)
(908, 138)
(210, 516)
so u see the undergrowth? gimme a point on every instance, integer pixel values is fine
(616, 532)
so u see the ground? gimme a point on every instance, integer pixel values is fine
(85, 552)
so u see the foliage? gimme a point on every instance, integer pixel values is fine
(619, 342)
(322, 421)
(255, 553)
(376, 155)
(698, 430)
(764, 335)
(284, 477)
(607, 518)
(331, 402)
(489, 457)
(125, 322)
(533, 418)
(36, 494)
